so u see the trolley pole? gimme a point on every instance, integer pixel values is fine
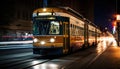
(44, 3)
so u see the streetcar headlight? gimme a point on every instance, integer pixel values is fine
(42, 42)
(52, 40)
(35, 40)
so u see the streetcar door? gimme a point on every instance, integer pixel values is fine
(66, 37)
(85, 35)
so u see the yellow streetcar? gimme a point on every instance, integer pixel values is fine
(59, 31)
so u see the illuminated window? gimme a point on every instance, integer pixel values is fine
(54, 27)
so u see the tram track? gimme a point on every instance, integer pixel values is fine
(31, 61)
(27, 67)
(20, 59)
(13, 61)
(24, 62)
(38, 61)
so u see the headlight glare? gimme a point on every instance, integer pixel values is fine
(42, 42)
(52, 40)
(35, 40)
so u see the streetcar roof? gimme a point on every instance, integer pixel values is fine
(50, 11)
(40, 10)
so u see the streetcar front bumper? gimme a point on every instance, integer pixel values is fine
(48, 51)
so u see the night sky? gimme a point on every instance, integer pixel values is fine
(104, 13)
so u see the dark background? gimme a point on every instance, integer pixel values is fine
(99, 12)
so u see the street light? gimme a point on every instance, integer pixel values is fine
(118, 18)
(118, 27)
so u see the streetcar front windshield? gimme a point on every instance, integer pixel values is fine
(46, 28)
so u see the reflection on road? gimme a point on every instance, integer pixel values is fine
(105, 42)
(46, 66)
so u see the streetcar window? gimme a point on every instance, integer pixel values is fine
(46, 28)
(35, 28)
(54, 27)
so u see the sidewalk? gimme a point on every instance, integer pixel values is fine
(110, 59)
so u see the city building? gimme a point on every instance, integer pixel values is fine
(16, 15)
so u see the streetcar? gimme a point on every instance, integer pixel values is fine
(58, 31)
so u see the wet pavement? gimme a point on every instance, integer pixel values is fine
(106, 55)
(109, 59)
